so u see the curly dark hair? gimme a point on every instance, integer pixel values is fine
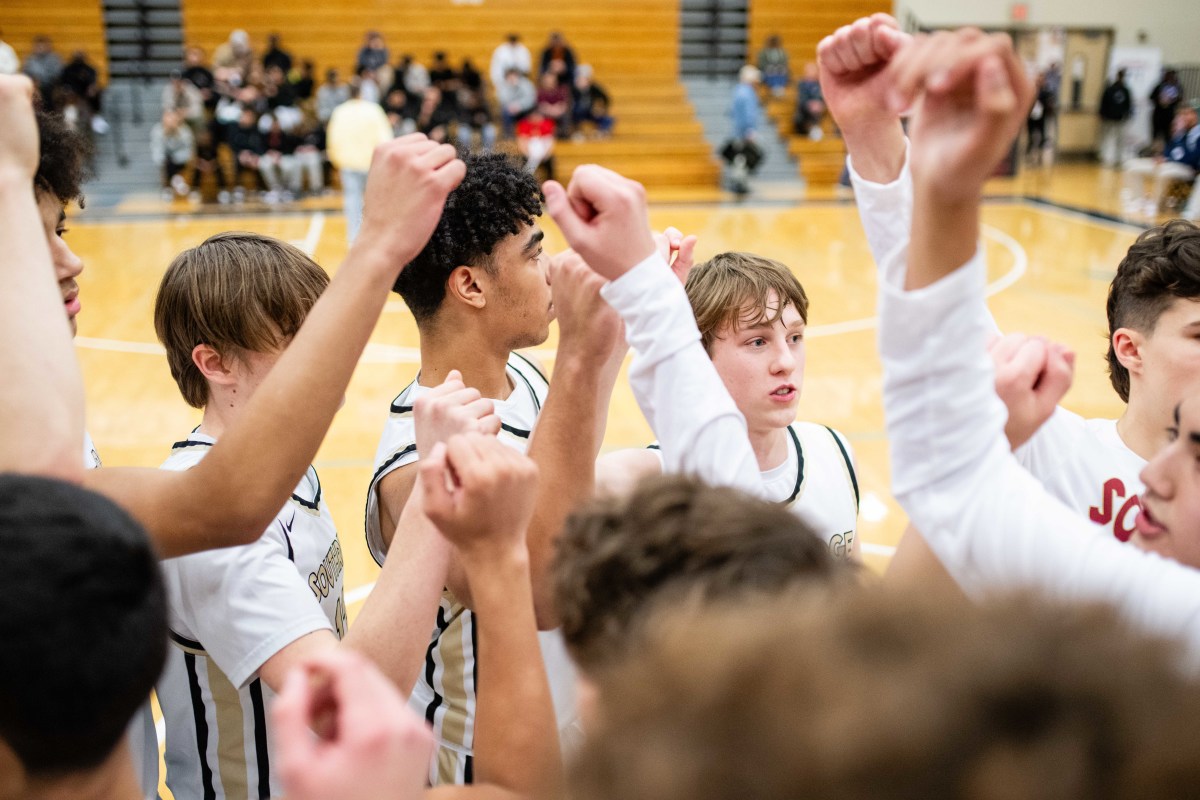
(63, 166)
(674, 538)
(495, 199)
(1163, 264)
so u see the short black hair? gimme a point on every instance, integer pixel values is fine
(494, 200)
(65, 156)
(84, 627)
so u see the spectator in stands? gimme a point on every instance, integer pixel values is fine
(208, 161)
(306, 83)
(277, 165)
(591, 103)
(746, 110)
(441, 74)
(810, 104)
(83, 81)
(182, 97)
(535, 140)
(470, 77)
(554, 102)
(235, 53)
(281, 98)
(373, 56)
(773, 64)
(330, 95)
(1164, 99)
(510, 54)
(356, 128)
(416, 77)
(1116, 107)
(197, 73)
(474, 117)
(516, 97)
(1180, 162)
(9, 63)
(172, 148)
(248, 146)
(557, 49)
(44, 67)
(276, 56)
(369, 88)
(435, 115)
(309, 155)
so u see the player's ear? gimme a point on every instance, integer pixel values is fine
(215, 367)
(467, 285)
(1127, 343)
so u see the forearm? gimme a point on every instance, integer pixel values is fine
(944, 236)
(516, 734)
(41, 396)
(564, 447)
(699, 428)
(393, 627)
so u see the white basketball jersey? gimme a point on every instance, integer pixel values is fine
(817, 483)
(444, 694)
(229, 611)
(1084, 463)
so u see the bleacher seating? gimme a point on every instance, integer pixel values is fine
(70, 26)
(632, 44)
(801, 24)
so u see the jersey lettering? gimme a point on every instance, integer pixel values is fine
(1123, 519)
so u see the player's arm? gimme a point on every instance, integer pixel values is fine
(231, 496)
(618, 473)
(41, 394)
(482, 496)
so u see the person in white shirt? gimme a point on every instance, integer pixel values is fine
(993, 525)
(510, 54)
(1093, 464)
(355, 129)
(10, 64)
(752, 313)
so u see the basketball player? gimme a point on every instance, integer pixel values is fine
(41, 402)
(993, 525)
(480, 290)
(1153, 308)
(752, 312)
(242, 617)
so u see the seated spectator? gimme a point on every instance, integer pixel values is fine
(277, 164)
(773, 64)
(172, 148)
(276, 56)
(197, 73)
(557, 49)
(516, 97)
(435, 115)
(401, 111)
(90, 584)
(470, 77)
(44, 67)
(554, 102)
(1179, 162)
(182, 97)
(374, 57)
(810, 104)
(535, 141)
(281, 98)
(248, 147)
(309, 155)
(10, 64)
(474, 117)
(416, 77)
(83, 81)
(306, 83)
(208, 161)
(369, 88)
(591, 103)
(441, 74)
(509, 55)
(235, 53)
(330, 95)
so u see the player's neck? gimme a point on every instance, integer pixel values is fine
(1142, 431)
(224, 406)
(770, 447)
(482, 363)
(112, 780)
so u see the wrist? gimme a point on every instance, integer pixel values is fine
(15, 180)
(495, 563)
